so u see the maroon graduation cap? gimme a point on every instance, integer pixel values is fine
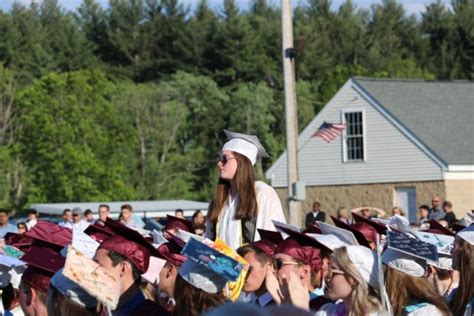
(269, 240)
(179, 223)
(361, 239)
(302, 238)
(437, 228)
(98, 232)
(51, 232)
(20, 241)
(313, 229)
(171, 251)
(302, 247)
(129, 243)
(381, 229)
(44, 259)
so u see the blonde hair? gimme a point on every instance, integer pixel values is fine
(343, 212)
(364, 298)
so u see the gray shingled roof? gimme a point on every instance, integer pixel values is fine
(440, 114)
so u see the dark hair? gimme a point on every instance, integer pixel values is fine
(260, 255)
(118, 258)
(191, 301)
(4, 210)
(316, 203)
(87, 212)
(106, 206)
(245, 182)
(32, 211)
(180, 211)
(195, 214)
(448, 204)
(21, 223)
(126, 207)
(465, 291)
(66, 210)
(424, 206)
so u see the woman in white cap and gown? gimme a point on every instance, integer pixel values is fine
(241, 204)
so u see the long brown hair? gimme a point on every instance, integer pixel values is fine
(403, 289)
(364, 298)
(465, 291)
(244, 179)
(191, 301)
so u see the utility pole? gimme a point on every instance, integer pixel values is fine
(294, 207)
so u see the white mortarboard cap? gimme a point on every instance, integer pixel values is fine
(404, 262)
(330, 241)
(72, 290)
(247, 145)
(344, 235)
(365, 262)
(201, 277)
(467, 234)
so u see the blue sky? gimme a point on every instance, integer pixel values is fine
(411, 6)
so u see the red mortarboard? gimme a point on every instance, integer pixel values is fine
(129, 243)
(181, 223)
(361, 239)
(268, 242)
(369, 232)
(313, 229)
(437, 228)
(457, 227)
(98, 232)
(20, 241)
(302, 250)
(171, 251)
(43, 261)
(51, 233)
(381, 229)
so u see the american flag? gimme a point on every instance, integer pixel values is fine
(329, 131)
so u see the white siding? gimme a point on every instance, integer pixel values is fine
(390, 155)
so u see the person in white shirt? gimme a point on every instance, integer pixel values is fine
(241, 204)
(67, 219)
(78, 219)
(32, 218)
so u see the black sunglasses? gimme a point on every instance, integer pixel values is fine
(224, 159)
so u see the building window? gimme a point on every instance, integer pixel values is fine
(354, 136)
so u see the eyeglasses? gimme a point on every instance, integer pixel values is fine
(333, 271)
(224, 159)
(278, 263)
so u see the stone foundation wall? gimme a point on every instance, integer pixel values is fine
(380, 195)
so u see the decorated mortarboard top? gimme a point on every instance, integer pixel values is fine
(361, 239)
(208, 269)
(129, 243)
(412, 247)
(443, 243)
(180, 223)
(436, 227)
(72, 290)
(467, 234)
(10, 266)
(51, 233)
(381, 229)
(247, 145)
(343, 235)
(92, 278)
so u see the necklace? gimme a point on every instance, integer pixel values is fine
(446, 290)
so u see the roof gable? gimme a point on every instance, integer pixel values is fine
(439, 114)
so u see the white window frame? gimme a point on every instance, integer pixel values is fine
(344, 135)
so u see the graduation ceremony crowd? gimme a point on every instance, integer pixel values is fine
(241, 259)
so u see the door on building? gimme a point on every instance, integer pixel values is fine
(405, 198)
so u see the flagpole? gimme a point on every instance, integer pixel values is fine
(294, 207)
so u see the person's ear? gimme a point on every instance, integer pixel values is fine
(170, 271)
(30, 296)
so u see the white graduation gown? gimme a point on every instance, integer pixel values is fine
(269, 208)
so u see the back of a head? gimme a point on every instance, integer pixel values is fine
(60, 305)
